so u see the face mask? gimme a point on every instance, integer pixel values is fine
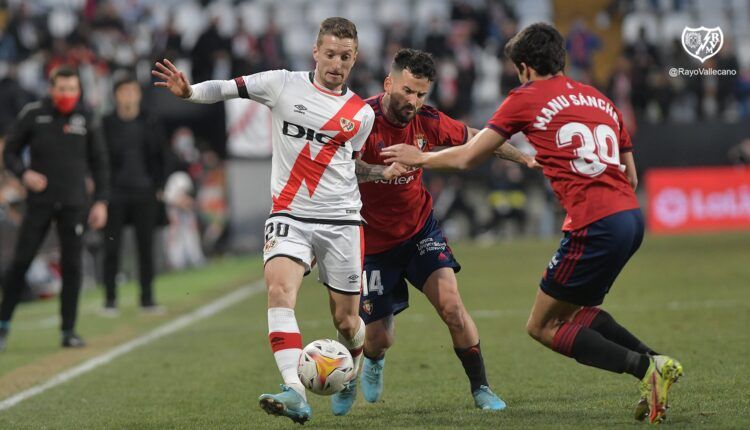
(65, 104)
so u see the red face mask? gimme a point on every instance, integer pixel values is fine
(64, 103)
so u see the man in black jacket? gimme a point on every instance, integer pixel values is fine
(64, 145)
(136, 147)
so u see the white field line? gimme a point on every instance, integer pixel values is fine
(164, 330)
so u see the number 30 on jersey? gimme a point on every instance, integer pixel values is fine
(599, 147)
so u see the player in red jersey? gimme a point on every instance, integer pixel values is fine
(402, 238)
(585, 152)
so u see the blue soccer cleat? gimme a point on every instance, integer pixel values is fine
(341, 402)
(288, 403)
(372, 379)
(485, 399)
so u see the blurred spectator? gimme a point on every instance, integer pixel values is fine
(643, 58)
(271, 49)
(740, 154)
(619, 91)
(210, 47)
(212, 201)
(581, 43)
(183, 243)
(13, 95)
(136, 142)
(507, 198)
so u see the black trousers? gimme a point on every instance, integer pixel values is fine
(142, 212)
(69, 221)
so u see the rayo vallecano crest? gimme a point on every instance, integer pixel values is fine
(702, 43)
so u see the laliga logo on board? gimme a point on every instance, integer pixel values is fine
(702, 43)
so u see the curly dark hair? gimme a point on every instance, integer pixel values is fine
(419, 63)
(540, 46)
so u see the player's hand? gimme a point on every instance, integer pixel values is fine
(404, 154)
(172, 79)
(34, 181)
(98, 215)
(394, 171)
(632, 178)
(531, 163)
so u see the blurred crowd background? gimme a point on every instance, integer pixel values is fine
(623, 47)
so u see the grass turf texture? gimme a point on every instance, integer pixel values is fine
(685, 296)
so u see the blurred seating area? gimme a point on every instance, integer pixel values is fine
(624, 47)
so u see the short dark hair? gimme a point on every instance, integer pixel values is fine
(540, 46)
(122, 77)
(63, 71)
(339, 27)
(419, 63)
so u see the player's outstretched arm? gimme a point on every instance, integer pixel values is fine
(171, 78)
(205, 92)
(463, 157)
(509, 152)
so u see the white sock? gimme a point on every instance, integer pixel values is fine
(355, 345)
(286, 343)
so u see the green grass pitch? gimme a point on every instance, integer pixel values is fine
(685, 296)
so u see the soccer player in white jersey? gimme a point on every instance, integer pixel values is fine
(318, 127)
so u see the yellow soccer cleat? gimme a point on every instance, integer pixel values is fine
(661, 374)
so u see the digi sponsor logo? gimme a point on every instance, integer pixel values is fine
(295, 130)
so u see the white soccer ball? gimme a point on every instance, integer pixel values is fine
(325, 367)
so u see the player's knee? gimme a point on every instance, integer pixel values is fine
(454, 315)
(535, 330)
(346, 324)
(378, 343)
(280, 295)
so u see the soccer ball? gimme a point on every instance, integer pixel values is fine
(325, 367)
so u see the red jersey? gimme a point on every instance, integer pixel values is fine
(579, 136)
(396, 210)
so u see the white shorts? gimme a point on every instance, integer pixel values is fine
(338, 249)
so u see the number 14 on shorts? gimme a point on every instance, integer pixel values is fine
(372, 284)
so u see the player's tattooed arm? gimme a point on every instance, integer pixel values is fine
(509, 152)
(374, 172)
(464, 157)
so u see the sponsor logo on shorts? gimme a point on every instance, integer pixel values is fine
(353, 279)
(430, 245)
(367, 307)
(270, 244)
(553, 262)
